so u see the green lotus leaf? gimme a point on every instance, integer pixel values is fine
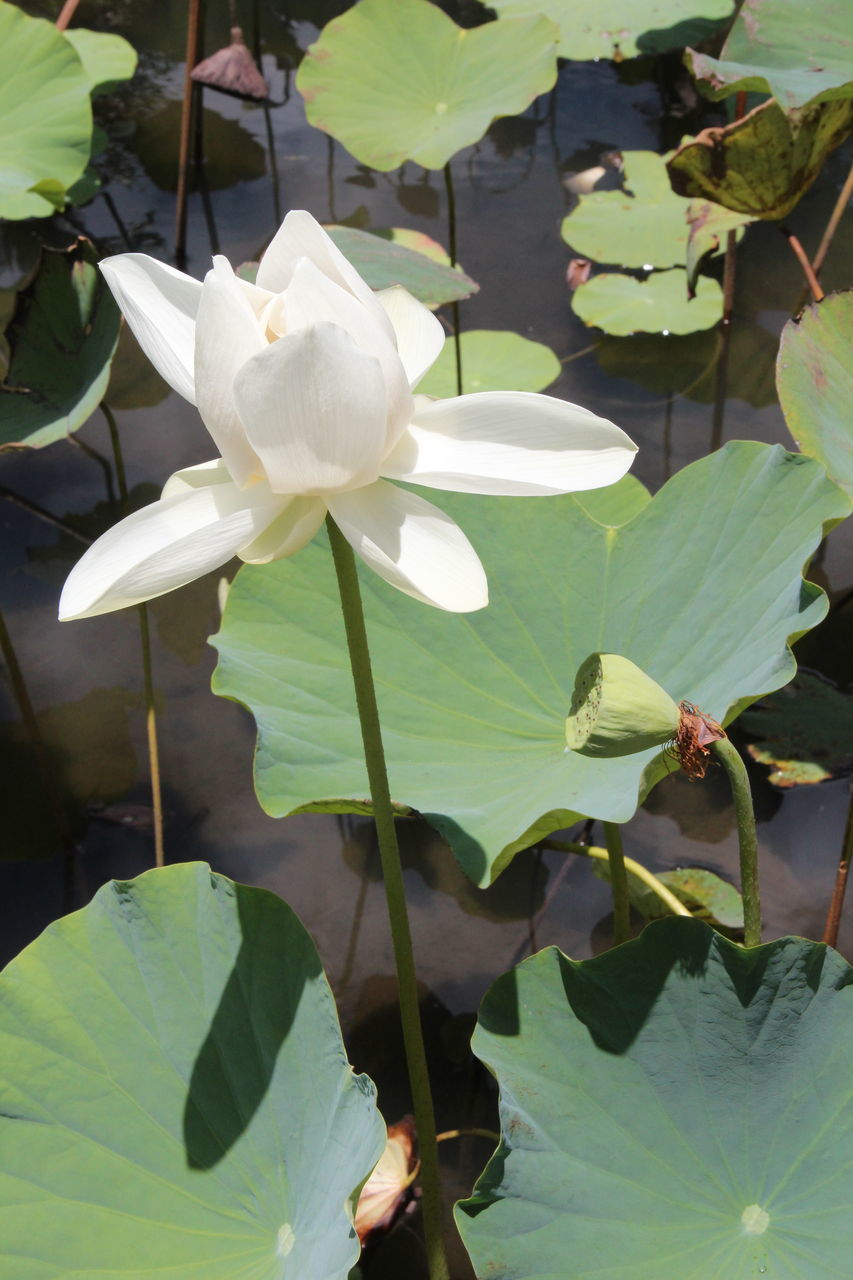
(623, 28)
(676, 1109)
(62, 338)
(397, 80)
(176, 1097)
(709, 227)
(492, 360)
(45, 115)
(474, 705)
(385, 261)
(814, 377)
(803, 732)
(706, 895)
(643, 226)
(106, 58)
(797, 52)
(621, 304)
(761, 165)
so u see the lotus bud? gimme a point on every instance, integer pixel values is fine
(618, 710)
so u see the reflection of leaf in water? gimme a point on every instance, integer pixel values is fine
(134, 382)
(231, 154)
(685, 364)
(187, 617)
(517, 894)
(90, 755)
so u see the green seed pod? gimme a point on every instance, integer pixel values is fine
(617, 709)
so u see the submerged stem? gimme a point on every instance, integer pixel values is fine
(636, 869)
(451, 237)
(147, 672)
(618, 883)
(729, 758)
(395, 895)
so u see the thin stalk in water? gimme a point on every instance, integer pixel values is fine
(147, 673)
(729, 758)
(618, 883)
(395, 895)
(833, 918)
(451, 237)
(803, 259)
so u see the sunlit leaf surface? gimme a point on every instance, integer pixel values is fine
(492, 360)
(623, 28)
(622, 305)
(176, 1099)
(397, 80)
(761, 165)
(796, 50)
(676, 1109)
(814, 376)
(386, 259)
(473, 705)
(45, 115)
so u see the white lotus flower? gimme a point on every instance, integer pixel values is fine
(304, 380)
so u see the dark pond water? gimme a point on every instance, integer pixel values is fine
(85, 680)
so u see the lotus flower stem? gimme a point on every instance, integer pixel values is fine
(395, 895)
(729, 758)
(451, 237)
(725, 329)
(618, 883)
(635, 869)
(147, 673)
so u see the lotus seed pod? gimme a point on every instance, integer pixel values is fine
(617, 709)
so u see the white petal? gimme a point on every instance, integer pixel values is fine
(311, 297)
(412, 545)
(227, 333)
(164, 546)
(510, 442)
(420, 335)
(288, 533)
(200, 476)
(301, 236)
(160, 305)
(313, 406)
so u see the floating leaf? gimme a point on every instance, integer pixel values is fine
(797, 52)
(709, 227)
(814, 376)
(474, 705)
(764, 163)
(45, 115)
(621, 304)
(804, 732)
(623, 28)
(176, 1097)
(677, 1107)
(106, 58)
(492, 360)
(385, 261)
(62, 339)
(643, 226)
(708, 896)
(397, 80)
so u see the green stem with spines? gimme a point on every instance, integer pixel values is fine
(395, 895)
